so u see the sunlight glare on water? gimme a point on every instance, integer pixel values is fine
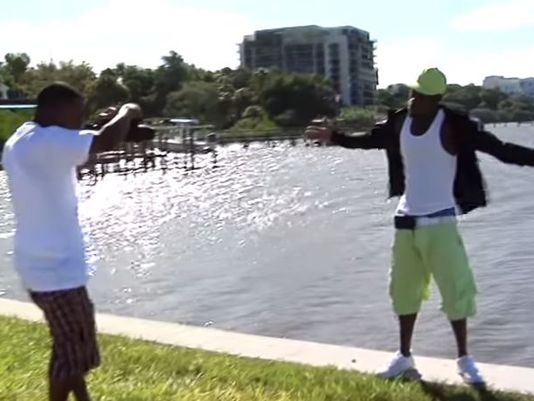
(294, 242)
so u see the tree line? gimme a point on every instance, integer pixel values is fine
(225, 98)
(237, 98)
(489, 105)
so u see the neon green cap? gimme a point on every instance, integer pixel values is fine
(431, 82)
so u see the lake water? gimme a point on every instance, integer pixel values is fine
(295, 242)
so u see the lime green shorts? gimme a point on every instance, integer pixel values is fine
(432, 251)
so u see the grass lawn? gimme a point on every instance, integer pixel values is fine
(10, 120)
(134, 371)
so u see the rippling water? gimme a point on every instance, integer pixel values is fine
(294, 242)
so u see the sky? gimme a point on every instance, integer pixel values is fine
(467, 39)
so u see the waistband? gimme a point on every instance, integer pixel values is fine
(430, 221)
(446, 216)
(442, 213)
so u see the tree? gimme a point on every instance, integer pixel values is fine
(242, 99)
(228, 96)
(198, 74)
(239, 78)
(522, 116)
(491, 98)
(259, 79)
(385, 98)
(523, 102)
(356, 116)
(196, 100)
(467, 96)
(80, 76)
(16, 64)
(485, 115)
(516, 108)
(253, 112)
(255, 118)
(167, 78)
(242, 78)
(294, 100)
(106, 91)
(394, 97)
(139, 81)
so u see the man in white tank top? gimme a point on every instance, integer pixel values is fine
(427, 243)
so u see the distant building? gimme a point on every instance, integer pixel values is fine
(4, 89)
(511, 86)
(527, 85)
(344, 54)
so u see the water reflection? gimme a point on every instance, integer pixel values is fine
(293, 242)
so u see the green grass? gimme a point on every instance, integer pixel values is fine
(134, 371)
(10, 120)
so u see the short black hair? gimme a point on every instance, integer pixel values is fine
(57, 94)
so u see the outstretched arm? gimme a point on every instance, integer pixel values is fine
(377, 138)
(506, 152)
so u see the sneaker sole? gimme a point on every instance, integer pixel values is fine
(409, 375)
(470, 383)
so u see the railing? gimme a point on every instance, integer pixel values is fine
(164, 151)
(160, 153)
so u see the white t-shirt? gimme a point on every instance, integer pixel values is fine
(41, 167)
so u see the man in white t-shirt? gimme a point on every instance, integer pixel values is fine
(40, 159)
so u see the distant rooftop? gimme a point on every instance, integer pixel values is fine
(501, 77)
(309, 27)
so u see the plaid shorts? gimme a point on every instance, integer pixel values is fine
(71, 319)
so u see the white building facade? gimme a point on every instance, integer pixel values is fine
(527, 85)
(510, 86)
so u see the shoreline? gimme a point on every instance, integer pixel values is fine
(501, 377)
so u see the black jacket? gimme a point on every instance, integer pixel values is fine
(469, 185)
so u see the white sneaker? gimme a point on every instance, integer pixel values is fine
(468, 370)
(400, 367)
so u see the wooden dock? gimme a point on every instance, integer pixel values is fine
(148, 155)
(171, 141)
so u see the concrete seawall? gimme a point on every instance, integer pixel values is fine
(433, 369)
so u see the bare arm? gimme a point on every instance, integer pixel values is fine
(116, 130)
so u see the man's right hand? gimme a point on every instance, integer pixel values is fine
(115, 131)
(318, 133)
(133, 111)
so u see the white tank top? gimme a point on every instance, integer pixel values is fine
(429, 170)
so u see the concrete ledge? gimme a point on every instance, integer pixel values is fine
(436, 370)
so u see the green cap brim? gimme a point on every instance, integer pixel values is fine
(418, 88)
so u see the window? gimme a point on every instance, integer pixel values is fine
(334, 48)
